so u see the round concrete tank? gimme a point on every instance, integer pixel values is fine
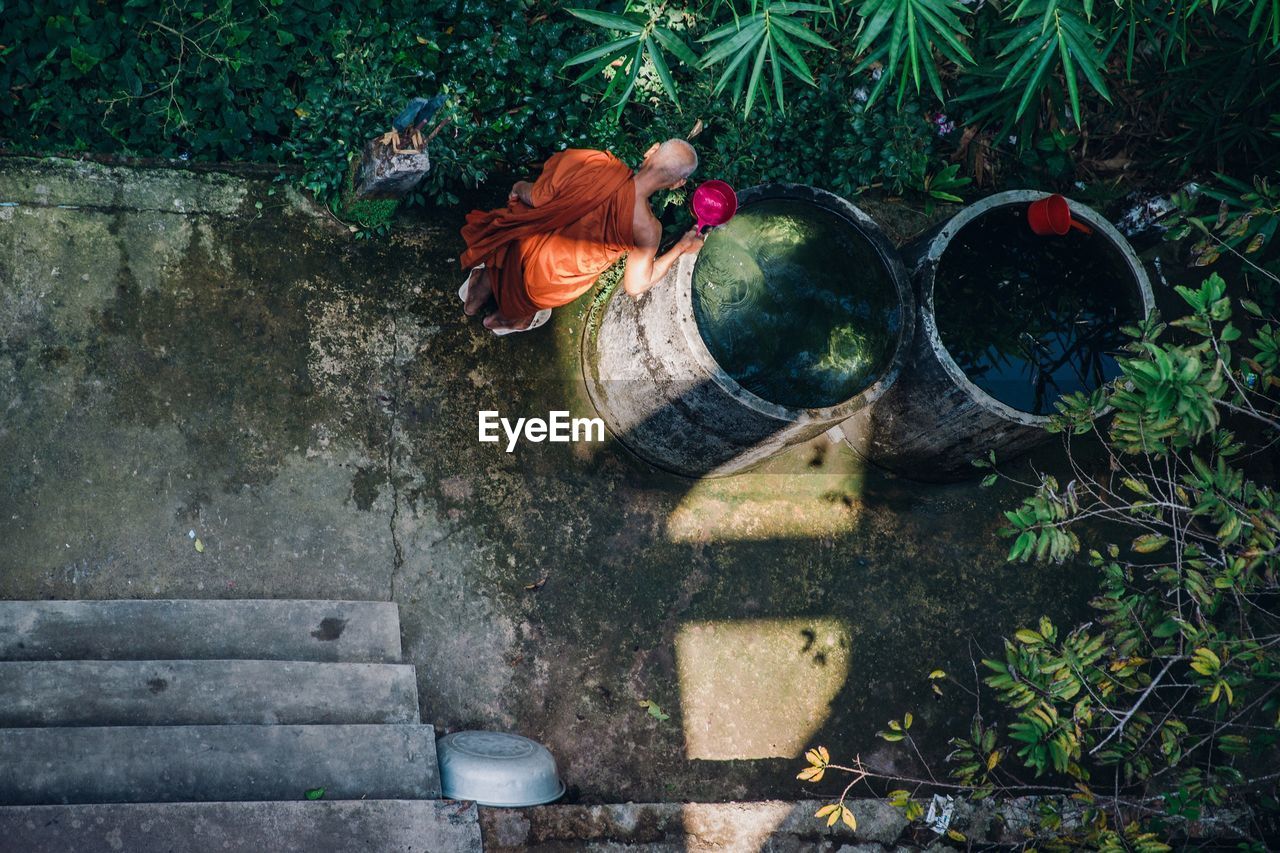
(726, 362)
(942, 414)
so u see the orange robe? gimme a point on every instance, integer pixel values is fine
(550, 254)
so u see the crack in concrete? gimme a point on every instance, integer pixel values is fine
(116, 209)
(397, 557)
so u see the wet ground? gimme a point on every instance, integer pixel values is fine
(196, 353)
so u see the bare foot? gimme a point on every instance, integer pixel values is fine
(496, 322)
(478, 293)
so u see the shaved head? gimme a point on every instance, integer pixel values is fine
(671, 162)
(677, 159)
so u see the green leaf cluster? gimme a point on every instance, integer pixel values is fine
(1042, 66)
(1169, 692)
(771, 33)
(902, 36)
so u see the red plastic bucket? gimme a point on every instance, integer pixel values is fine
(1052, 216)
(713, 203)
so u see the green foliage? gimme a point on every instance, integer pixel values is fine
(1168, 694)
(1052, 32)
(308, 83)
(938, 186)
(509, 107)
(370, 216)
(213, 81)
(301, 83)
(897, 730)
(771, 31)
(913, 29)
(1224, 93)
(863, 146)
(1201, 77)
(1235, 218)
(653, 710)
(641, 41)
(1190, 603)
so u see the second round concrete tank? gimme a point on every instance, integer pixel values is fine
(714, 370)
(936, 418)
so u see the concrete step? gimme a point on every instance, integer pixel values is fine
(167, 764)
(373, 826)
(357, 631)
(204, 692)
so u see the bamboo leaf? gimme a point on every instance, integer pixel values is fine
(607, 20)
(790, 50)
(736, 64)
(676, 46)
(1090, 60)
(754, 83)
(801, 32)
(634, 75)
(595, 53)
(875, 24)
(776, 67)
(660, 66)
(1033, 84)
(734, 44)
(1069, 73)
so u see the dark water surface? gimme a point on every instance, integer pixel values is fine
(1030, 318)
(795, 304)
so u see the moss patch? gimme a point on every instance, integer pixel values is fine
(370, 214)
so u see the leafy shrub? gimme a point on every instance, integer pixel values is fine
(270, 81)
(1232, 218)
(1165, 705)
(1200, 81)
(307, 83)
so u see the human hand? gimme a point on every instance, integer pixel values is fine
(690, 242)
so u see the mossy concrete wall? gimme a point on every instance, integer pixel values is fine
(186, 353)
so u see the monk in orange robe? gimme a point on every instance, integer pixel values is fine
(557, 235)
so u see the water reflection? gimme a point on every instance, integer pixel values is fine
(1030, 318)
(795, 304)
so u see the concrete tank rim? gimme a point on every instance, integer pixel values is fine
(898, 274)
(927, 268)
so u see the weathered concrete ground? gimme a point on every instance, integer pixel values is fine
(185, 352)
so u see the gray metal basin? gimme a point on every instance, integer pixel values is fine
(497, 769)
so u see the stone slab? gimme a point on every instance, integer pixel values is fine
(357, 631)
(158, 764)
(373, 826)
(205, 692)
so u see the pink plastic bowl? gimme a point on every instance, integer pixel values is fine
(714, 203)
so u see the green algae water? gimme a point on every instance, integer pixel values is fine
(1030, 318)
(796, 304)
